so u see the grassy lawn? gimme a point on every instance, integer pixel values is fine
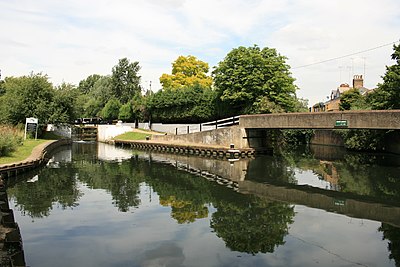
(22, 152)
(133, 136)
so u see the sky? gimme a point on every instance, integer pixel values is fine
(71, 39)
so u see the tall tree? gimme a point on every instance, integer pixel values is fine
(86, 85)
(387, 96)
(125, 80)
(186, 71)
(64, 105)
(111, 109)
(254, 80)
(26, 96)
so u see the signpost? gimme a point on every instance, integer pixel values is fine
(31, 125)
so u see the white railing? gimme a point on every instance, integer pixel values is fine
(206, 126)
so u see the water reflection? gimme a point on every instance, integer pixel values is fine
(372, 175)
(175, 209)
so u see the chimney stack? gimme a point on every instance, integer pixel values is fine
(358, 81)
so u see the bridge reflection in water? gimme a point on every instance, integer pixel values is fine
(329, 163)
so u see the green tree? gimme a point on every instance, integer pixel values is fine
(64, 107)
(87, 85)
(111, 109)
(190, 104)
(126, 112)
(350, 99)
(254, 80)
(186, 71)
(90, 104)
(387, 95)
(125, 80)
(27, 96)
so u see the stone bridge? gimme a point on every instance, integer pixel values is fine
(366, 119)
(252, 130)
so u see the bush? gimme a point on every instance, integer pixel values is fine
(10, 138)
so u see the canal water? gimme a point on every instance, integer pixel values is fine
(98, 205)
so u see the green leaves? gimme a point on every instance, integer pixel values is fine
(189, 104)
(111, 109)
(247, 75)
(387, 96)
(125, 80)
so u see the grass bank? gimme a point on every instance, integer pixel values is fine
(24, 149)
(21, 152)
(133, 136)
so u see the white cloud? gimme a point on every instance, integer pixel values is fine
(70, 40)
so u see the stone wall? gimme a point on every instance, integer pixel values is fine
(219, 137)
(107, 132)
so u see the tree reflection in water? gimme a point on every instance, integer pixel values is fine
(392, 234)
(246, 223)
(36, 199)
(252, 225)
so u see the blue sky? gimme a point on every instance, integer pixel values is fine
(70, 40)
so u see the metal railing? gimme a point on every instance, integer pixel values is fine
(206, 126)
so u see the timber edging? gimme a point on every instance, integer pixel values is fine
(192, 149)
(38, 157)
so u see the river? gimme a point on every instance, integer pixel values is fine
(98, 205)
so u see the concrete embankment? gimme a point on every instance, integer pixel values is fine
(37, 158)
(186, 148)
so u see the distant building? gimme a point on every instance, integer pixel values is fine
(334, 100)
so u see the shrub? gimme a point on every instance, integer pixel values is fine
(10, 138)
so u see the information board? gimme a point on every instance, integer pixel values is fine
(31, 126)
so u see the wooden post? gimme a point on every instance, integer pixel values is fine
(200, 127)
(176, 131)
(188, 129)
(216, 124)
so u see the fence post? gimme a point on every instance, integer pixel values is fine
(216, 124)
(200, 127)
(188, 129)
(176, 131)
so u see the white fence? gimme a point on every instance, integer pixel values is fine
(189, 128)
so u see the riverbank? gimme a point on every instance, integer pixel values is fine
(34, 160)
(11, 249)
(186, 148)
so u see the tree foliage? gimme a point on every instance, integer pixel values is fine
(126, 112)
(387, 96)
(111, 109)
(26, 96)
(125, 80)
(186, 71)
(190, 104)
(64, 105)
(254, 80)
(86, 86)
(351, 99)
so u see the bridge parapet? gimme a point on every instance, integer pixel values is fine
(365, 119)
